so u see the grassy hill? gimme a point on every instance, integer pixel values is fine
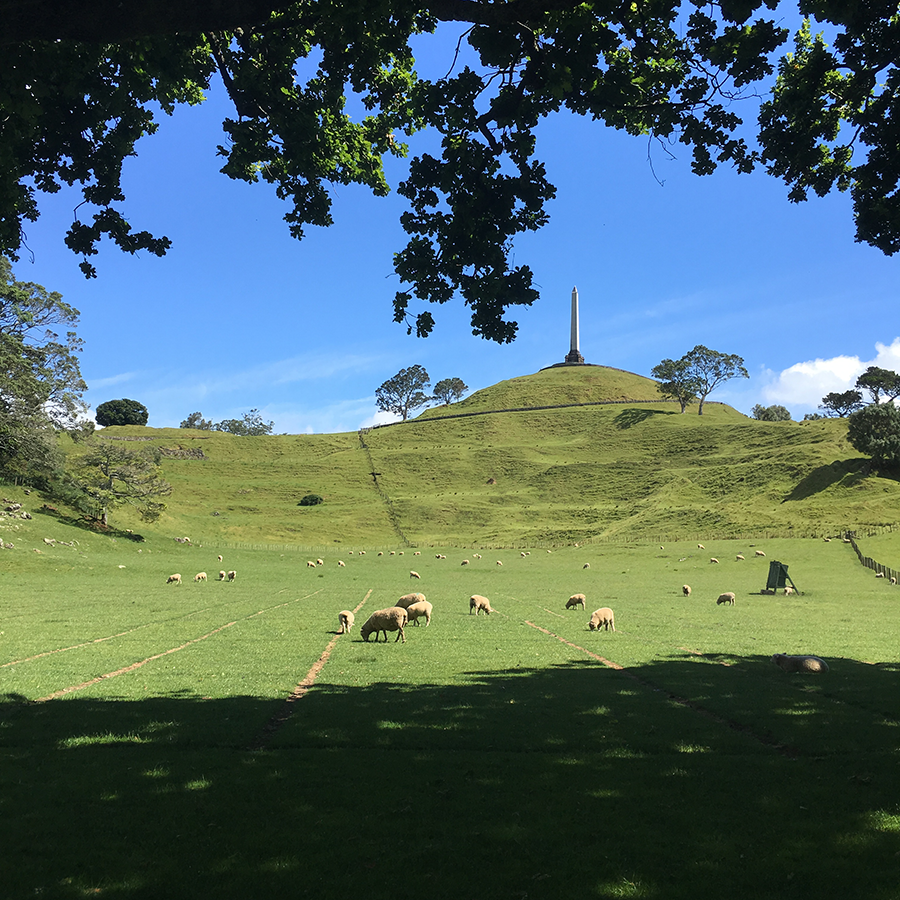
(553, 475)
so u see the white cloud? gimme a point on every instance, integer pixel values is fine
(96, 383)
(806, 383)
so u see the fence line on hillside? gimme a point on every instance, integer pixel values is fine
(389, 504)
(868, 562)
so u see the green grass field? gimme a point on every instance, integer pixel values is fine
(149, 749)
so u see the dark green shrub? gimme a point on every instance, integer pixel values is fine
(311, 500)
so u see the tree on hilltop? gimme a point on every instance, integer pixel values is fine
(676, 381)
(121, 412)
(771, 413)
(84, 80)
(251, 424)
(880, 383)
(196, 420)
(404, 392)
(841, 404)
(449, 390)
(875, 430)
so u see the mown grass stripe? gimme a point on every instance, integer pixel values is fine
(300, 690)
(134, 666)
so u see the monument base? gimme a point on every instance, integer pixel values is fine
(574, 358)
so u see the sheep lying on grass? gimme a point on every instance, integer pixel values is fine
(727, 597)
(422, 608)
(800, 663)
(200, 576)
(602, 618)
(576, 600)
(478, 603)
(174, 579)
(407, 600)
(391, 619)
(346, 618)
(686, 590)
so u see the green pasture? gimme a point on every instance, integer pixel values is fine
(499, 756)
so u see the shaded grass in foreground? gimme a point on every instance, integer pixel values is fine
(541, 782)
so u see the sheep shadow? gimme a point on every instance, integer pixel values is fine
(632, 416)
(493, 775)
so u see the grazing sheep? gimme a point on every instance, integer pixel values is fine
(806, 664)
(827, 540)
(310, 564)
(422, 608)
(174, 579)
(879, 574)
(391, 619)
(739, 557)
(465, 562)
(200, 576)
(477, 602)
(222, 575)
(576, 600)
(342, 564)
(727, 597)
(893, 580)
(499, 563)
(700, 547)
(413, 574)
(381, 553)
(407, 600)
(476, 556)
(602, 618)
(320, 562)
(219, 557)
(686, 590)
(788, 591)
(232, 575)
(346, 618)
(393, 553)
(713, 560)
(362, 552)
(759, 553)
(523, 555)
(586, 566)
(417, 553)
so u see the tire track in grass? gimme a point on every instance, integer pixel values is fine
(766, 740)
(300, 691)
(134, 666)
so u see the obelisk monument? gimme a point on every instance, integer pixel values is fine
(574, 357)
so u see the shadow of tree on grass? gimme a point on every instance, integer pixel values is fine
(632, 416)
(665, 780)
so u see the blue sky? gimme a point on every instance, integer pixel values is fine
(239, 315)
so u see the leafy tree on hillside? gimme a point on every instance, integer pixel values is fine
(771, 413)
(841, 404)
(40, 378)
(83, 82)
(875, 430)
(111, 474)
(251, 424)
(676, 381)
(711, 368)
(449, 390)
(196, 420)
(880, 383)
(404, 392)
(121, 412)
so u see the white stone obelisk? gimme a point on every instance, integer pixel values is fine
(574, 355)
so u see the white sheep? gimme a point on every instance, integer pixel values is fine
(827, 540)
(362, 552)
(174, 579)
(788, 591)
(700, 547)
(342, 564)
(414, 574)
(713, 560)
(879, 574)
(219, 557)
(422, 608)
(320, 562)
(465, 562)
(727, 597)
(602, 618)
(499, 562)
(586, 566)
(759, 553)
(686, 590)
(310, 564)
(739, 557)
(200, 576)
(391, 619)
(392, 553)
(893, 579)
(232, 575)
(476, 556)
(346, 618)
(417, 553)
(222, 575)
(478, 603)
(380, 553)
(407, 600)
(576, 600)
(523, 555)
(806, 664)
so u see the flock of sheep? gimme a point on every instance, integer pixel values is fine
(175, 578)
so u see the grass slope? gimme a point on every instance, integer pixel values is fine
(559, 475)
